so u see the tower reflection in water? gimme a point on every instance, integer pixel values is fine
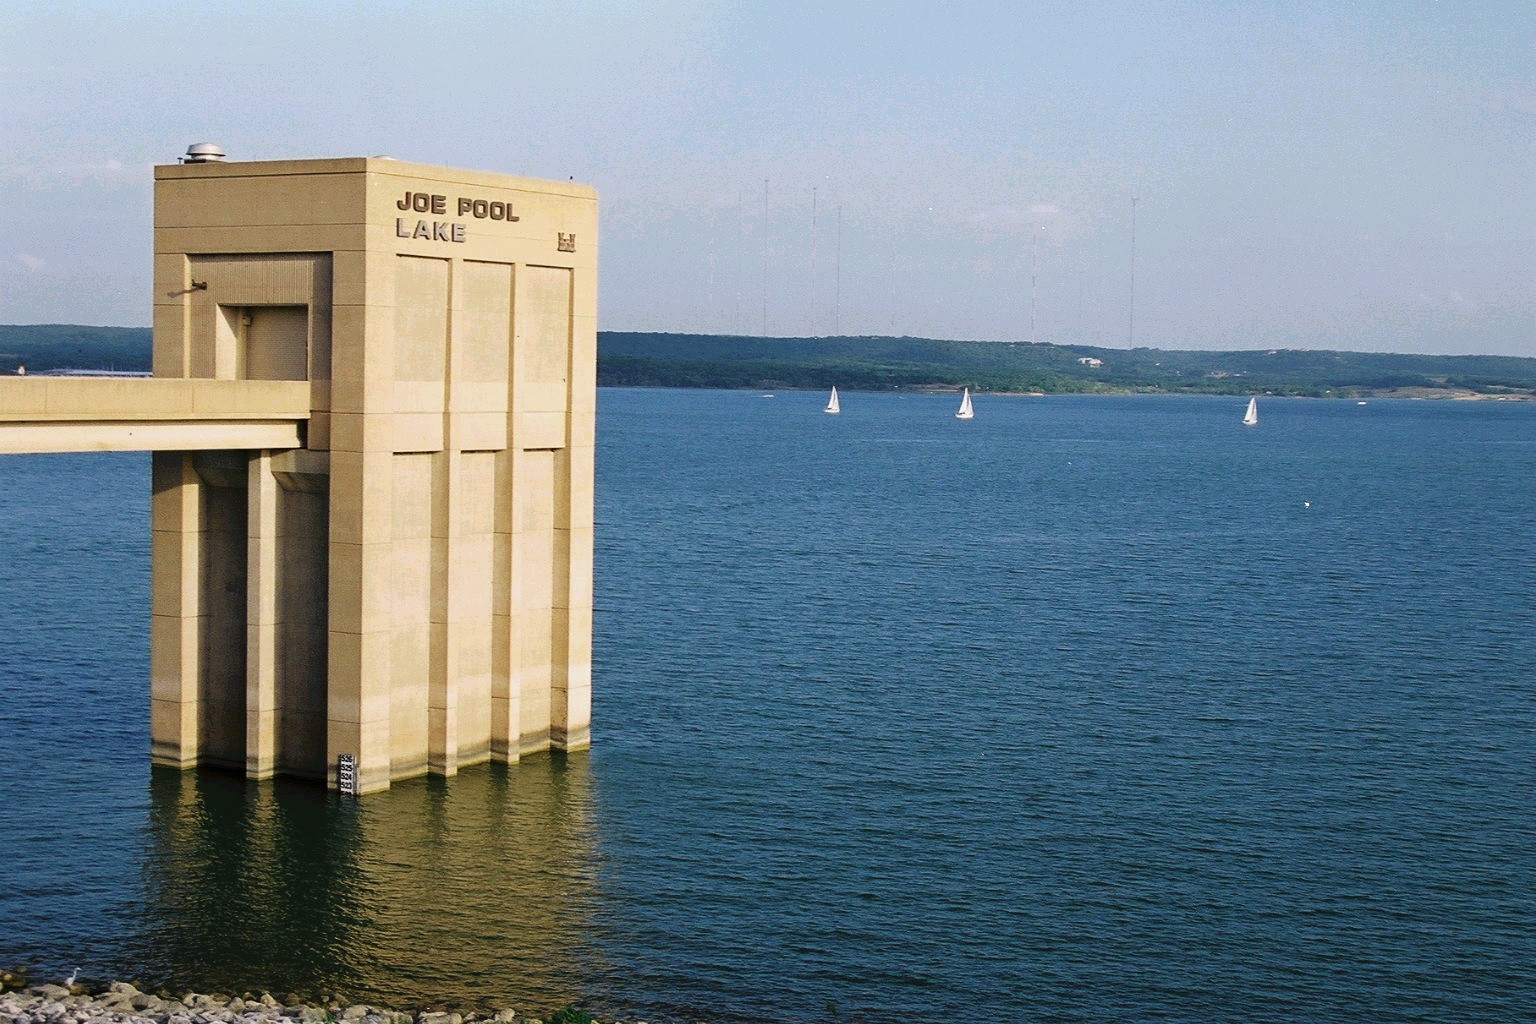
(471, 893)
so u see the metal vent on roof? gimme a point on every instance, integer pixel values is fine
(203, 153)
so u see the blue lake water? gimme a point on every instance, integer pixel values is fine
(1087, 709)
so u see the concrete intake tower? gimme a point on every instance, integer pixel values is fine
(372, 419)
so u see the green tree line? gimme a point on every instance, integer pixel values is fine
(899, 363)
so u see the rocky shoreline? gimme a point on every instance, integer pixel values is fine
(122, 1003)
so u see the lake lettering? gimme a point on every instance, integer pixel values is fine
(433, 231)
(445, 231)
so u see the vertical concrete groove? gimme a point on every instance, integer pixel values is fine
(261, 710)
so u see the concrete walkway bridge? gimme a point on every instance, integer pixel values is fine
(140, 414)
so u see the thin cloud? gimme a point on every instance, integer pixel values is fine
(1013, 216)
(29, 261)
(106, 173)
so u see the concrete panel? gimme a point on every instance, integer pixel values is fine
(174, 580)
(276, 343)
(486, 326)
(361, 497)
(541, 397)
(416, 432)
(485, 432)
(543, 341)
(266, 279)
(362, 432)
(173, 733)
(579, 569)
(173, 654)
(583, 429)
(539, 430)
(256, 239)
(472, 397)
(421, 319)
(418, 396)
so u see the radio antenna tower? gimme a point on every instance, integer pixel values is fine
(765, 258)
(1131, 337)
(837, 302)
(1034, 276)
(812, 332)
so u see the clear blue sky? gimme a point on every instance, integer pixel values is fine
(1349, 175)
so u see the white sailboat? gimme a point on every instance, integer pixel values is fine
(832, 405)
(965, 412)
(1252, 415)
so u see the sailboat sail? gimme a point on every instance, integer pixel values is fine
(1252, 415)
(965, 412)
(832, 405)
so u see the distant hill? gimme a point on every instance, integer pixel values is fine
(884, 363)
(44, 347)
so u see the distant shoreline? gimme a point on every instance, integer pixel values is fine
(1398, 395)
(882, 363)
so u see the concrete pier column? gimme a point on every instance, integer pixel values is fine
(361, 581)
(571, 701)
(443, 689)
(571, 697)
(174, 630)
(261, 654)
(506, 621)
(359, 594)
